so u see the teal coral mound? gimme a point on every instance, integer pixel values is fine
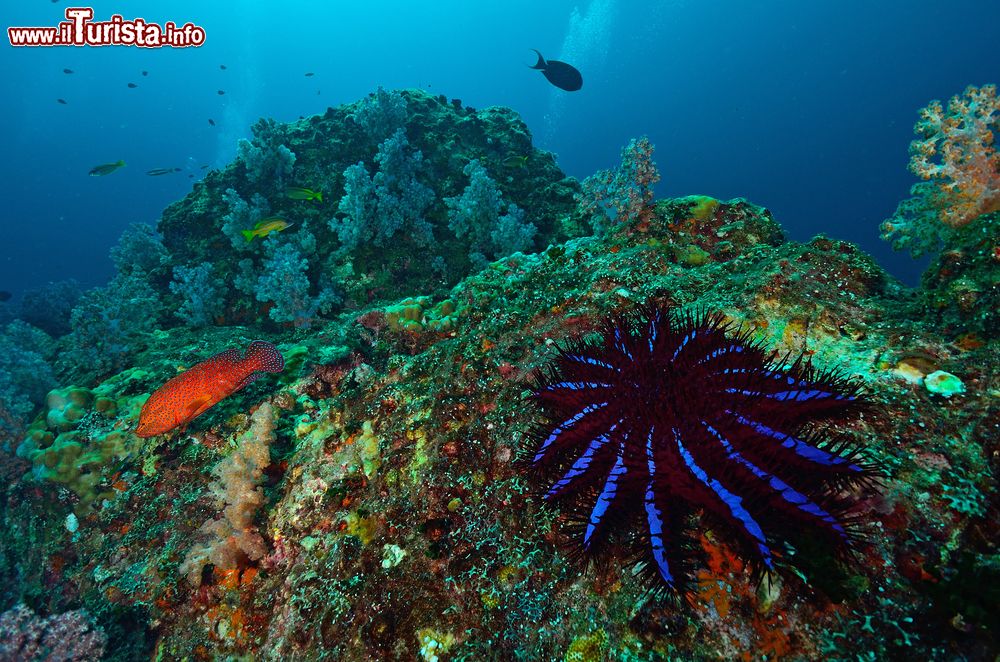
(386, 166)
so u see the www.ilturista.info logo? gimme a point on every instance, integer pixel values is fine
(79, 29)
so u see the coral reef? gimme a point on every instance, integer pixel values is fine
(285, 285)
(392, 201)
(954, 213)
(49, 307)
(381, 113)
(367, 503)
(385, 166)
(479, 212)
(202, 292)
(26, 373)
(266, 159)
(110, 323)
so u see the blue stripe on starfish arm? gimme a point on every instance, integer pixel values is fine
(654, 517)
(589, 360)
(800, 396)
(582, 463)
(566, 425)
(576, 386)
(722, 351)
(620, 344)
(786, 491)
(801, 448)
(684, 341)
(733, 502)
(606, 498)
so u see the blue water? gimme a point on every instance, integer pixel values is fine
(805, 108)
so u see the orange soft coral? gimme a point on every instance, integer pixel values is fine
(957, 152)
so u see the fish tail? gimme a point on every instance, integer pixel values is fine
(262, 355)
(247, 234)
(319, 196)
(541, 64)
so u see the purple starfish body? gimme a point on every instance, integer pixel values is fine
(669, 416)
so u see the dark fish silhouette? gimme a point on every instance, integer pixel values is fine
(132, 86)
(145, 73)
(156, 172)
(222, 66)
(62, 101)
(5, 295)
(221, 92)
(562, 75)
(211, 121)
(310, 74)
(67, 71)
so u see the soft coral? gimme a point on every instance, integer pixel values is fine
(967, 172)
(956, 157)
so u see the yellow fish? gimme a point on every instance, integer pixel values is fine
(299, 193)
(105, 169)
(516, 161)
(266, 227)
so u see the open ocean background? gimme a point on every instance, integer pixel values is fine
(805, 108)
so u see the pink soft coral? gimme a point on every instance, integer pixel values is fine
(957, 153)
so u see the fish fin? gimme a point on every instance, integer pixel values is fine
(248, 235)
(232, 355)
(247, 381)
(541, 64)
(196, 407)
(263, 355)
(319, 195)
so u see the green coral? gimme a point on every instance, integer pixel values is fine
(589, 648)
(418, 314)
(76, 442)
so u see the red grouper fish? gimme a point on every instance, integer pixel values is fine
(191, 393)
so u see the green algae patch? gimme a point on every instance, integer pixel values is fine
(368, 450)
(702, 206)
